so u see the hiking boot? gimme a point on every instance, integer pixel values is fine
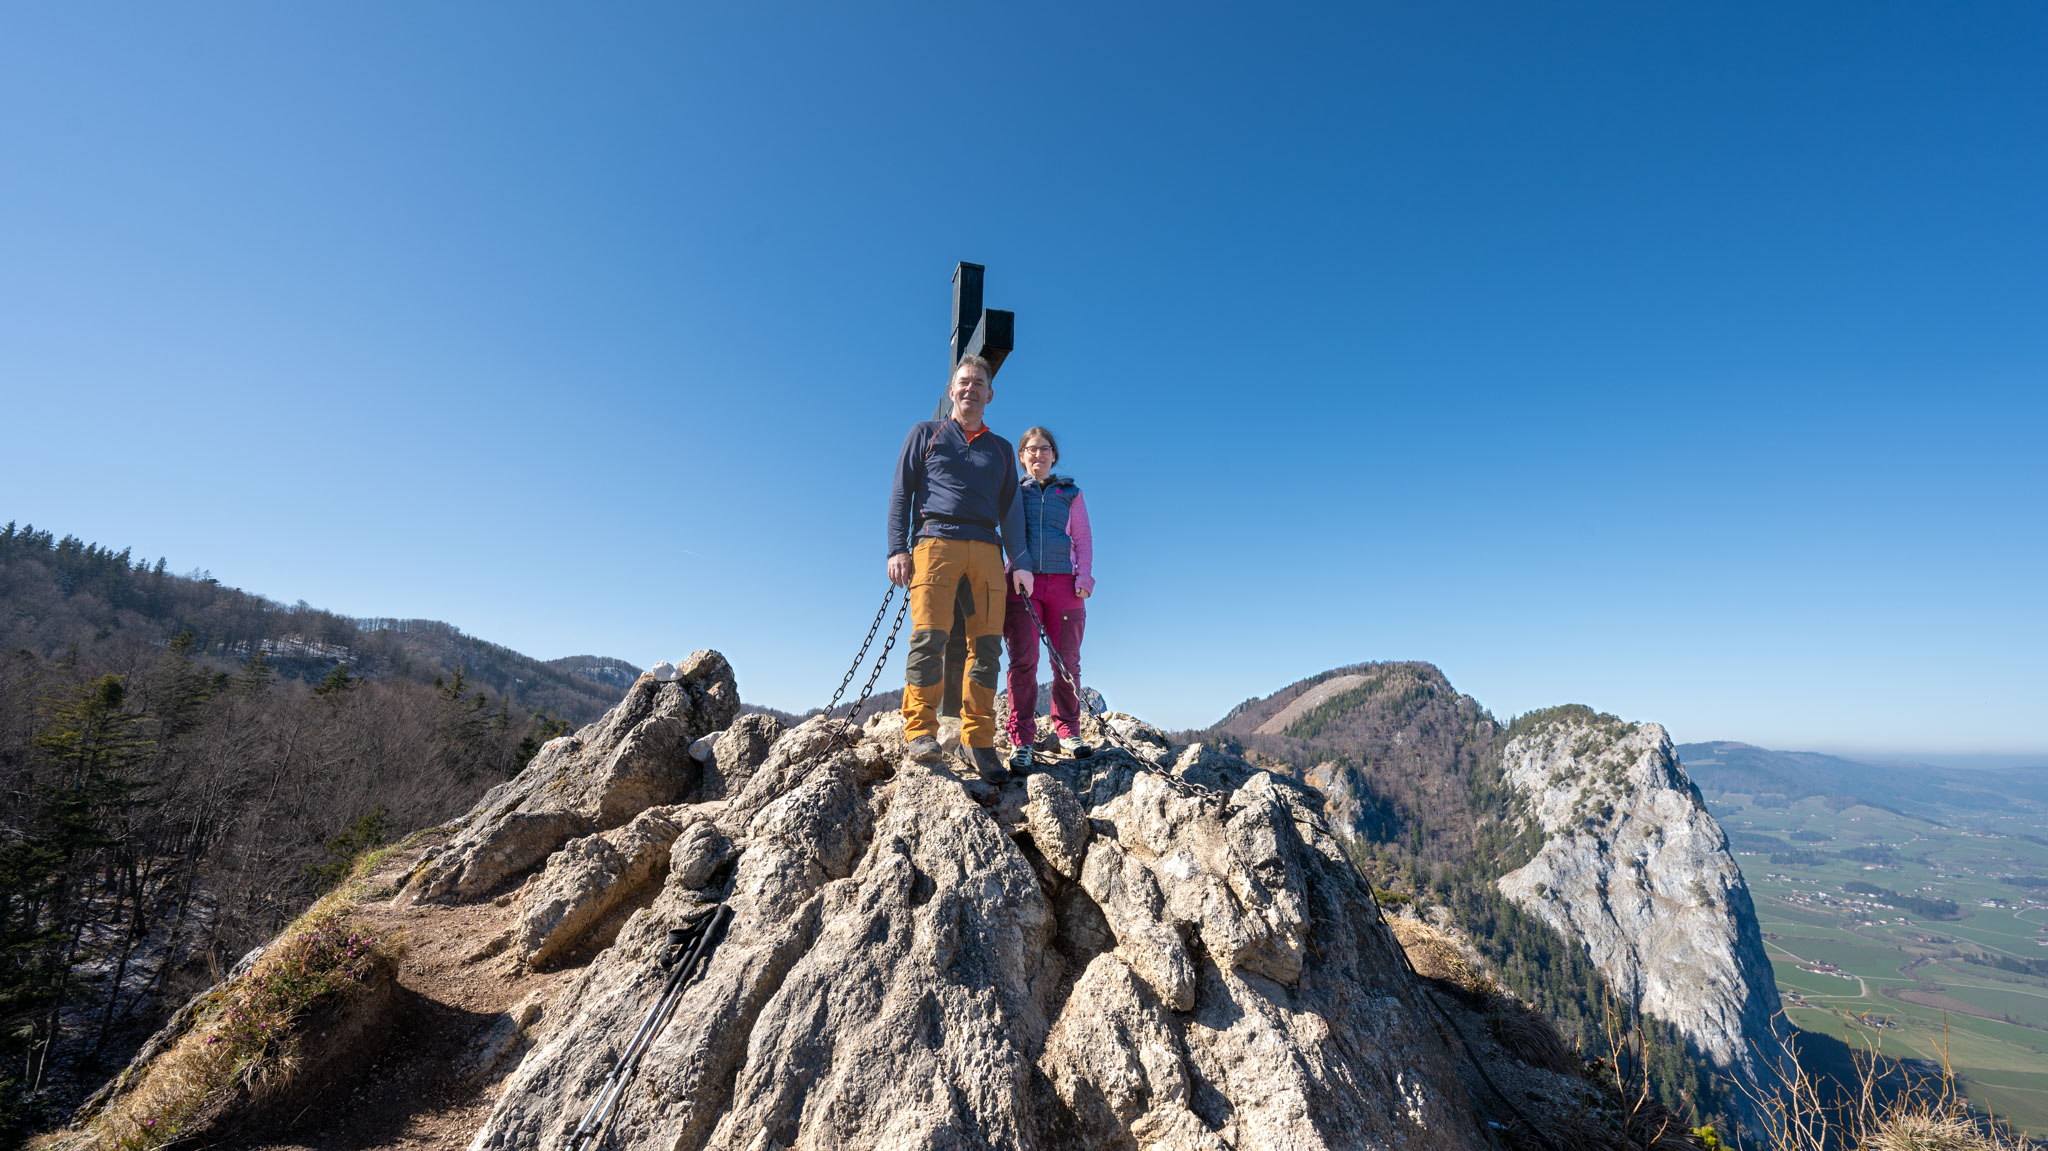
(924, 749)
(1078, 748)
(1021, 762)
(988, 764)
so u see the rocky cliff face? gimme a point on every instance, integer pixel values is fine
(1633, 866)
(1094, 960)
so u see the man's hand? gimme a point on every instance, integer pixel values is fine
(899, 569)
(1021, 580)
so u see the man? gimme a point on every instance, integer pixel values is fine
(953, 514)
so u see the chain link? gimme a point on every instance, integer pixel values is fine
(1187, 788)
(882, 660)
(863, 653)
(1184, 787)
(868, 688)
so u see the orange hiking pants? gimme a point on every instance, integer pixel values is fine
(944, 573)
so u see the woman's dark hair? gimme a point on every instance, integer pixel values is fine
(1049, 441)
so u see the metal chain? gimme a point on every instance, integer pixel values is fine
(863, 653)
(866, 689)
(881, 660)
(1187, 788)
(1184, 787)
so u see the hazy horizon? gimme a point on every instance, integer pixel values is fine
(1962, 761)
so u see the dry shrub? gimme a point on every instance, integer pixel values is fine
(1435, 954)
(1526, 1034)
(1622, 1074)
(1926, 1113)
(1926, 1132)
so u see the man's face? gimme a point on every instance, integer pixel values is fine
(970, 392)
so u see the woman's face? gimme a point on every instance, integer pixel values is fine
(1037, 457)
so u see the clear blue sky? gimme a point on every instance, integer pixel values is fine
(1681, 360)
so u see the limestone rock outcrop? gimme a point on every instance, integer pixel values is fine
(1097, 960)
(1634, 867)
(588, 879)
(634, 758)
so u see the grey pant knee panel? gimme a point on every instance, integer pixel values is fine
(988, 654)
(925, 666)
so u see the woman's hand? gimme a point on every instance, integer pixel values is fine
(1083, 592)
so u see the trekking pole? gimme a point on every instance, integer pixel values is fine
(689, 949)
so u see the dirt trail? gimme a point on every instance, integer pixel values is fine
(416, 1085)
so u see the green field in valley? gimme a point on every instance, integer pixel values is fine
(1897, 967)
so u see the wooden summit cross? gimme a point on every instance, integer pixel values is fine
(989, 333)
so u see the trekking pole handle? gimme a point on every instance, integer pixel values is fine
(671, 992)
(680, 979)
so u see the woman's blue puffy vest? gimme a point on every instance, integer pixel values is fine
(1047, 547)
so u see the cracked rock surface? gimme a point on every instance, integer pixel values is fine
(1096, 960)
(634, 758)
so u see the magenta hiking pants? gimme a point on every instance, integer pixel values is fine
(1066, 617)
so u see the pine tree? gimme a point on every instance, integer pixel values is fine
(338, 679)
(462, 730)
(256, 677)
(90, 743)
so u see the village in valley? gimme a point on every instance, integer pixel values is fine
(1923, 938)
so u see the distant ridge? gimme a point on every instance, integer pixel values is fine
(598, 669)
(59, 594)
(1729, 766)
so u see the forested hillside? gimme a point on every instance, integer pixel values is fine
(59, 594)
(184, 766)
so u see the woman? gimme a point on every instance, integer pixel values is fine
(1060, 554)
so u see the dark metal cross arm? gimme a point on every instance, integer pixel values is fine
(990, 333)
(993, 338)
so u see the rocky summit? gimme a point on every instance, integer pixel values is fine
(1633, 866)
(1152, 947)
(1094, 960)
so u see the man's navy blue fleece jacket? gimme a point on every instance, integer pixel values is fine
(955, 488)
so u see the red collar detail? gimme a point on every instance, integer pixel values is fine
(971, 436)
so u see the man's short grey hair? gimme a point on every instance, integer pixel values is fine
(972, 361)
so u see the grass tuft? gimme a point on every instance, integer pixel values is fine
(1924, 1113)
(245, 1041)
